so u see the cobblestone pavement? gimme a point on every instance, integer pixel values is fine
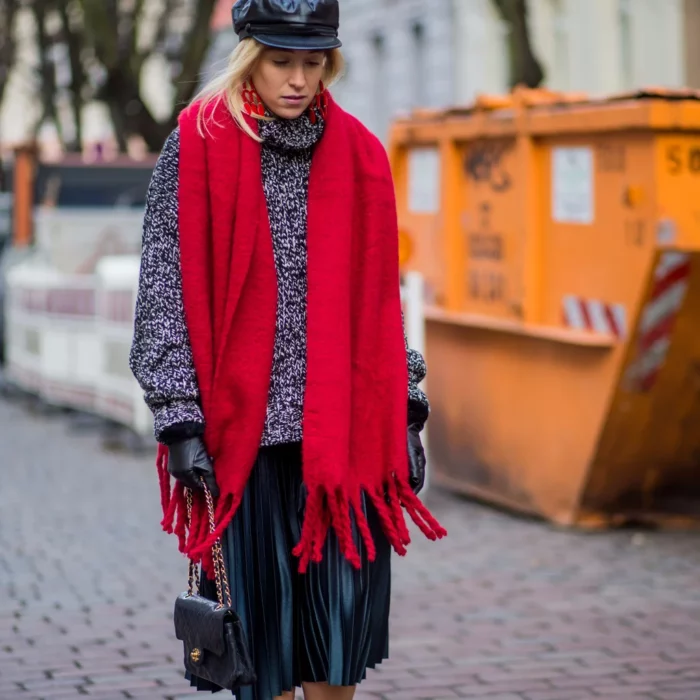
(504, 609)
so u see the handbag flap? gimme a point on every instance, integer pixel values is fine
(199, 623)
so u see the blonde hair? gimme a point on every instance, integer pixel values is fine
(227, 86)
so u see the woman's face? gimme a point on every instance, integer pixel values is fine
(288, 80)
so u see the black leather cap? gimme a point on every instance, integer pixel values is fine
(310, 25)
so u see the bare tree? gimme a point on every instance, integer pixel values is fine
(525, 69)
(8, 47)
(103, 46)
(46, 68)
(8, 12)
(70, 32)
(8, 44)
(119, 34)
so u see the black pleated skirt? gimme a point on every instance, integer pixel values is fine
(328, 625)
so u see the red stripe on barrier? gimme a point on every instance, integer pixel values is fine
(612, 321)
(659, 331)
(673, 276)
(586, 316)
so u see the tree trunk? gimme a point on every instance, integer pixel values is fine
(525, 69)
(8, 11)
(47, 70)
(130, 115)
(196, 47)
(77, 71)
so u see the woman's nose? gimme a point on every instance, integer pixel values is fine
(297, 78)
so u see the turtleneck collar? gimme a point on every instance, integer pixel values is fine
(291, 134)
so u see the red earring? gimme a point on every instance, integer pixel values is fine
(252, 104)
(319, 102)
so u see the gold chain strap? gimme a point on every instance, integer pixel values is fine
(223, 591)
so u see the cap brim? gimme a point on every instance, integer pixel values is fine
(298, 43)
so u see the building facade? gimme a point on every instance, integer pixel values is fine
(603, 46)
(405, 53)
(691, 24)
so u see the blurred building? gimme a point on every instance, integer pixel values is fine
(403, 54)
(407, 53)
(691, 24)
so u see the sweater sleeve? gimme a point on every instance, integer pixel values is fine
(161, 354)
(418, 404)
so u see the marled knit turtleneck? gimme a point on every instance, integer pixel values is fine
(291, 134)
(286, 164)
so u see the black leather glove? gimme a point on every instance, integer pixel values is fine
(188, 460)
(416, 459)
(417, 416)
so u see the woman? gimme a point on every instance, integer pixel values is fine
(269, 344)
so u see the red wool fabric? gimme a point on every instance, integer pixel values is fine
(356, 390)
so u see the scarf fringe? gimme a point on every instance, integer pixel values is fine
(397, 539)
(194, 538)
(363, 528)
(420, 515)
(163, 477)
(323, 511)
(394, 501)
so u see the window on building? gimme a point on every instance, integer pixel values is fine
(419, 79)
(626, 43)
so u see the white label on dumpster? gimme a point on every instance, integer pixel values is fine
(572, 185)
(424, 181)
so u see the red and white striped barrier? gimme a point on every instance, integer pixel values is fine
(658, 319)
(595, 316)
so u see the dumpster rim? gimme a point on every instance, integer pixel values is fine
(565, 336)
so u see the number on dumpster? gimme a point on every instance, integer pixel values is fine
(634, 232)
(680, 159)
(695, 160)
(486, 246)
(485, 285)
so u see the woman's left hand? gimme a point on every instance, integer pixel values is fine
(416, 459)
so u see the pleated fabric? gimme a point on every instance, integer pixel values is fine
(328, 625)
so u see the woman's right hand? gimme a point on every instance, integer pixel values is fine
(188, 461)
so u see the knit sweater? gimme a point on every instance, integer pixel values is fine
(161, 355)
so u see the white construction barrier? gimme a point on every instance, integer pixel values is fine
(68, 336)
(73, 240)
(51, 345)
(118, 395)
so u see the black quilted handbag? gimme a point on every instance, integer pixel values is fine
(212, 634)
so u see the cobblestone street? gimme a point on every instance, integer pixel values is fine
(504, 609)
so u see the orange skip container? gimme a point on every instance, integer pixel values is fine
(559, 239)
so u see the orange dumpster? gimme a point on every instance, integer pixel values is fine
(559, 239)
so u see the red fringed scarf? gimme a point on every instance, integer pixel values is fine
(356, 390)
